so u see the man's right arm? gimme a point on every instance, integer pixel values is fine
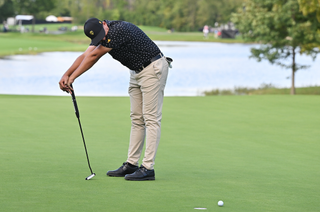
(73, 67)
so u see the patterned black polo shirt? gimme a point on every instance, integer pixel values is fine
(130, 45)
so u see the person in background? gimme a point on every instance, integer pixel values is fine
(205, 31)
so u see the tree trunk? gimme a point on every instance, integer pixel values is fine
(293, 90)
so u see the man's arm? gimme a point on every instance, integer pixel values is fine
(64, 79)
(87, 63)
(81, 65)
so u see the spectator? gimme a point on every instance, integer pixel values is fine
(205, 31)
(5, 27)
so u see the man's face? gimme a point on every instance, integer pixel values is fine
(106, 29)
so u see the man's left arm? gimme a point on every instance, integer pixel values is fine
(88, 62)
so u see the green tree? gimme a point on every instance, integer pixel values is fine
(281, 29)
(190, 15)
(6, 9)
(145, 12)
(182, 15)
(310, 6)
(33, 7)
(62, 8)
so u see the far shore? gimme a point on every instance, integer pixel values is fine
(13, 43)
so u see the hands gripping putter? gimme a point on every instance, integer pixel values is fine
(84, 143)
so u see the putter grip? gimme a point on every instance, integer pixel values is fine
(76, 110)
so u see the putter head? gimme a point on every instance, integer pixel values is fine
(91, 176)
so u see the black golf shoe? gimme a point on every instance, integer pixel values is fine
(141, 174)
(126, 168)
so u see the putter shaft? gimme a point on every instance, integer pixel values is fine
(84, 143)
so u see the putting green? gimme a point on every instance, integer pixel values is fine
(256, 153)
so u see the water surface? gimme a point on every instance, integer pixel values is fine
(197, 66)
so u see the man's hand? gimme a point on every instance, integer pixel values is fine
(63, 83)
(68, 84)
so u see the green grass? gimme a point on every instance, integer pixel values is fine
(312, 90)
(256, 153)
(190, 36)
(32, 43)
(50, 27)
(265, 89)
(29, 43)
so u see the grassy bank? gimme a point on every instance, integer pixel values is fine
(263, 90)
(256, 153)
(31, 43)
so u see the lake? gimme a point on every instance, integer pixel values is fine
(197, 66)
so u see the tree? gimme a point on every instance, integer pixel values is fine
(62, 8)
(182, 15)
(6, 9)
(310, 6)
(33, 7)
(281, 29)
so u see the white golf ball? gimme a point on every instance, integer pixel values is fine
(220, 203)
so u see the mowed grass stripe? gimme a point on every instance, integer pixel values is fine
(256, 153)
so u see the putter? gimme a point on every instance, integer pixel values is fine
(84, 143)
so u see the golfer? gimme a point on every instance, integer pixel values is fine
(129, 45)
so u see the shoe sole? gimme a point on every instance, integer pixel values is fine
(115, 175)
(140, 179)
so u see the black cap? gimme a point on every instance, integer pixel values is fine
(93, 28)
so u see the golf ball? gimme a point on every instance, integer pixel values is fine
(220, 203)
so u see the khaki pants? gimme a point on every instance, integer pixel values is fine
(146, 97)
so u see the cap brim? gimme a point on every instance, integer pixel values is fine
(99, 37)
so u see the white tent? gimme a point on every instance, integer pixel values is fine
(20, 18)
(24, 17)
(51, 18)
